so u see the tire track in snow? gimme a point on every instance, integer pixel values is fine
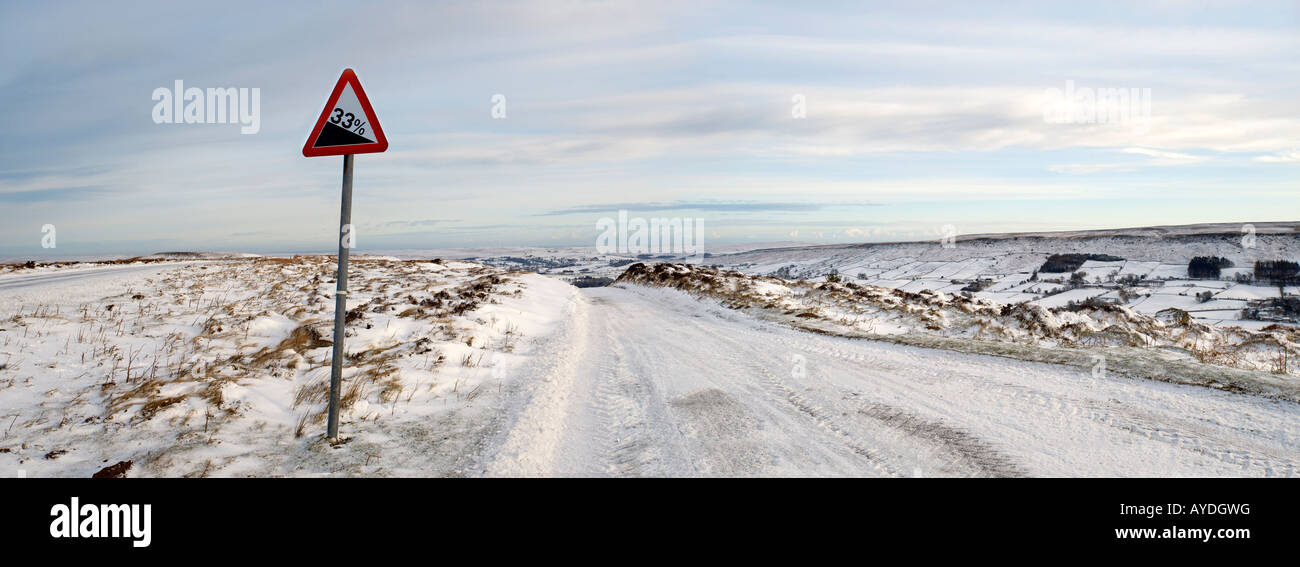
(966, 449)
(722, 429)
(723, 412)
(826, 420)
(528, 445)
(617, 424)
(874, 457)
(626, 446)
(1135, 422)
(957, 450)
(1187, 436)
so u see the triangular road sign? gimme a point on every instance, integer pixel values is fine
(347, 125)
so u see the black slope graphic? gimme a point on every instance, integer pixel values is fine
(335, 135)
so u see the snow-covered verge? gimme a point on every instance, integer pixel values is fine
(223, 368)
(1169, 346)
(14, 265)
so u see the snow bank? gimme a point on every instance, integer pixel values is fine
(860, 310)
(223, 368)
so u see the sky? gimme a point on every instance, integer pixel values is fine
(819, 122)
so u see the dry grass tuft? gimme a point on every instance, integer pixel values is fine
(152, 407)
(302, 339)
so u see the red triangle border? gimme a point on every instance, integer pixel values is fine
(381, 142)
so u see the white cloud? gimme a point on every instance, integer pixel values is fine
(1164, 157)
(1292, 156)
(1159, 158)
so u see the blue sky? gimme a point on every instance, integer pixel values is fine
(918, 115)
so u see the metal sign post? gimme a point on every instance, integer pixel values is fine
(340, 299)
(347, 126)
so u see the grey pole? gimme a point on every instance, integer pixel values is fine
(340, 300)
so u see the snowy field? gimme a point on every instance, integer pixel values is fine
(219, 367)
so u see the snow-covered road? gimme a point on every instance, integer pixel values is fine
(654, 383)
(70, 274)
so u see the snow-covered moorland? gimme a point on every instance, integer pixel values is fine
(219, 367)
(222, 368)
(1169, 346)
(1144, 268)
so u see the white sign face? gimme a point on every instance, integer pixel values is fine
(347, 124)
